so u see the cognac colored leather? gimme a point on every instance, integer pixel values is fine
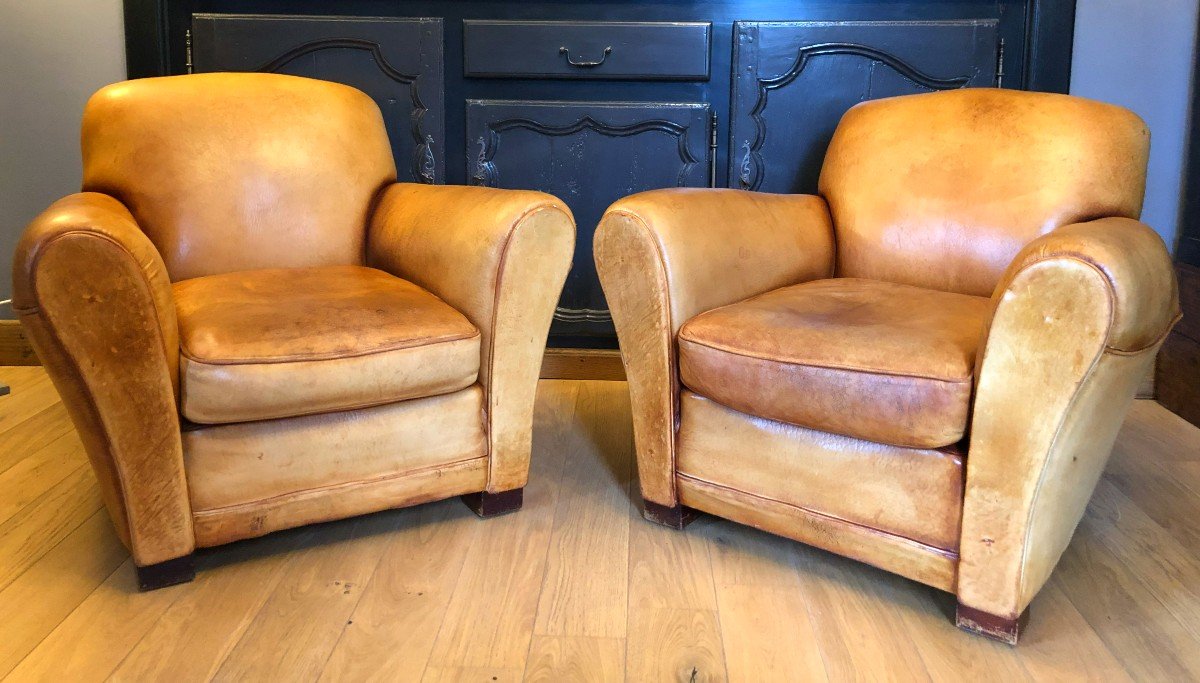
(941, 191)
(228, 172)
(864, 358)
(501, 258)
(262, 344)
(998, 230)
(93, 296)
(912, 493)
(271, 467)
(220, 269)
(667, 255)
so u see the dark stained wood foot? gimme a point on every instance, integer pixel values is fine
(991, 626)
(675, 517)
(487, 504)
(169, 573)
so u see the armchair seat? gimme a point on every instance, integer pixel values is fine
(263, 344)
(869, 359)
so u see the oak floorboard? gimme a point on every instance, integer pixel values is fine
(575, 658)
(576, 586)
(43, 523)
(193, 636)
(297, 627)
(489, 621)
(49, 590)
(584, 593)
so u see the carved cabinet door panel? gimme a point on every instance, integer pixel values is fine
(398, 62)
(793, 81)
(590, 154)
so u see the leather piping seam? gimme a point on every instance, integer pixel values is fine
(921, 545)
(237, 507)
(842, 368)
(329, 410)
(491, 364)
(330, 356)
(672, 354)
(1110, 296)
(1147, 347)
(118, 465)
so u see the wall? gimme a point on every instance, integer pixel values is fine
(1140, 54)
(54, 55)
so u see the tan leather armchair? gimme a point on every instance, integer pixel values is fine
(925, 367)
(254, 327)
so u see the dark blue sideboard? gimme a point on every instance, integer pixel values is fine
(592, 101)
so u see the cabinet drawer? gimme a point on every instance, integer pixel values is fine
(586, 49)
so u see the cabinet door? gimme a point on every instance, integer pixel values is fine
(590, 154)
(793, 81)
(398, 62)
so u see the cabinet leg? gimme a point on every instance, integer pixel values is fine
(676, 517)
(169, 573)
(487, 504)
(1004, 629)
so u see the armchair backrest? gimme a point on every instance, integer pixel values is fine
(942, 190)
(233, 171)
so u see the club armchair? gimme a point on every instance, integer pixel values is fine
(924, 367)
(254, 327)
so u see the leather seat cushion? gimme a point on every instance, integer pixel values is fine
(869, 359)
(265, 344)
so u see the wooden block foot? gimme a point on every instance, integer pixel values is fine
(676, 517)
(1004, 629)
(487, 504)
(169, 573)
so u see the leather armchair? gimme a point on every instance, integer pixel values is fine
(924, 367)
(254, 327)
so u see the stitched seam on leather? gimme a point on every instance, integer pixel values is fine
(831, 366)
(1157, 340)
(944, 552)
(283, 497)
(672, 355)
(325, 410)
(1110, 295)
(508, 238)
(118, 466)
(299, 358)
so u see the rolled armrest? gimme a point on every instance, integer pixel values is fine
(1078, 318)
(668, 255)
(500, 257)
(93, 295)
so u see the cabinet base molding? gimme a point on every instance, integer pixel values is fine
(602, 364)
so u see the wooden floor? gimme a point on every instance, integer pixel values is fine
(574, 587)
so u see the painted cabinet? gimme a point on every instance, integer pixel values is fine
(792, 82)
(595, 100)
(589, 154)
(398, 62)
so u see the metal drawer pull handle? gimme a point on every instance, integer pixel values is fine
(567, 53)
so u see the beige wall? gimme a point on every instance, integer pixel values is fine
(53, 55)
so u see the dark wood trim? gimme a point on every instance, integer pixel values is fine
(1177, 383)
(602, 364)
(1187, 248)
(169, 573)
(487, 504)
(146, 47)
(1049, 32)
(15, 348)
(676, 517)
(1003, 629)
